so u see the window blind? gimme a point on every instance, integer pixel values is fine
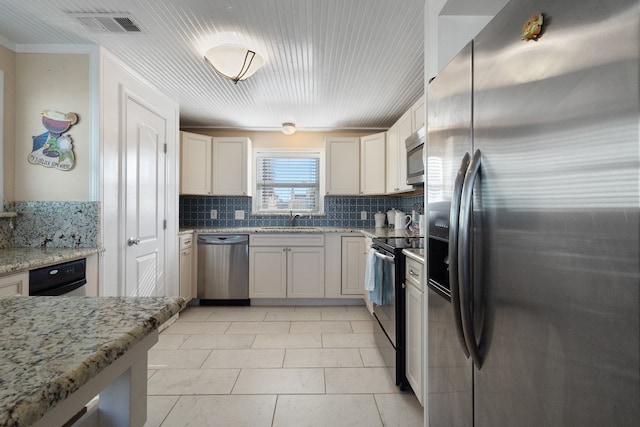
(287, 183)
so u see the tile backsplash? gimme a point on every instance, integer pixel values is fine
(52, 224)
(339, 211)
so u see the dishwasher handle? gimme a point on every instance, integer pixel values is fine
(208, 239)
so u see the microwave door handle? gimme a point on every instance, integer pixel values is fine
(454, 215)
(464, 258)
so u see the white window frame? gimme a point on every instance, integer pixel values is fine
(284, 152)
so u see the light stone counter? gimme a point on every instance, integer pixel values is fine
(415, 253)
(370, 232)
(51, 347)
(14, 260)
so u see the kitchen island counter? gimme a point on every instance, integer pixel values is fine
(58, 352)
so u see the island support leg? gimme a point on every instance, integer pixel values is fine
(124, 402)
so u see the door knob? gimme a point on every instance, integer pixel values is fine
(133, 241)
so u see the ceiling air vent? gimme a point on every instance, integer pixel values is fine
(114, 23)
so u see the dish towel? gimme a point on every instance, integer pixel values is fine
(370, 271)
(373, 278)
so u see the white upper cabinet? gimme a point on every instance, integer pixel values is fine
(397, 155)
(195, 164)
(232, 166)
(405, 128)
(343, 166)
(393, 161)
(373, 164)
(418, 114)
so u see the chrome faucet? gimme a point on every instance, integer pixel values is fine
(292, 219)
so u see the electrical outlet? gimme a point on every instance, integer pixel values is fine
(363, 215)
(239, 214)
(214, 214)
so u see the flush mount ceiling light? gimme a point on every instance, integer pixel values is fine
(233, 62)
(288, 128)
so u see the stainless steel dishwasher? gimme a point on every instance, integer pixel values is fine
(223, 269)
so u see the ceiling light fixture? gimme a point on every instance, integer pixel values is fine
(233, 62)
(288, 128)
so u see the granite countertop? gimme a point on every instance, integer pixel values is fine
(51, 346)
(370, 232)
(14, 260)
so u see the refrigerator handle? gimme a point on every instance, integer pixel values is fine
(464, 258)
(454, 216)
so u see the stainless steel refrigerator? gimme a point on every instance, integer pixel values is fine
(533, 181)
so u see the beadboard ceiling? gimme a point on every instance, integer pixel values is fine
(329, 64)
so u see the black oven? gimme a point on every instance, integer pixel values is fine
(389, 303)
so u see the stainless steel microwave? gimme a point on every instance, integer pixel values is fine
(415, 157)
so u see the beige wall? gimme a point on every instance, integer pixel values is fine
(51, 82)
(276, 139)
(8, 66)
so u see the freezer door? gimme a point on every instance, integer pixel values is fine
(449, 139)
(556, 217)
(449, 371)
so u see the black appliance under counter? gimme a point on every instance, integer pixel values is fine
(389, 310)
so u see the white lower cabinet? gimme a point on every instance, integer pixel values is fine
(286, 266)
(305, 272)
(186, 266)
(353, 265)
(414, 297)
(14, 284)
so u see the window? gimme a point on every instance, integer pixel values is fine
(288, 181)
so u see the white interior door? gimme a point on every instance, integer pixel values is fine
(145, 138)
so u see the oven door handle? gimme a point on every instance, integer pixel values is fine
(385, 257)
(454, 216)
(464, 258)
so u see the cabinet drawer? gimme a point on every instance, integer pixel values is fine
(414, 272)
(186, 241)
(283, 239)
(15, 284)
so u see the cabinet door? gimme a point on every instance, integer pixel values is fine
(393, 162)
(186, 273)
(404, 130)
(267, 272)
(93, 280)
(305, 268)
(353, 265)
(343, 166)
(195, 164)
(414, 319)
(418, 114)
(15, 284)
(231, 158)
(373, 164)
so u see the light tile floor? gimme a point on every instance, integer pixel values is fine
(273, 366)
